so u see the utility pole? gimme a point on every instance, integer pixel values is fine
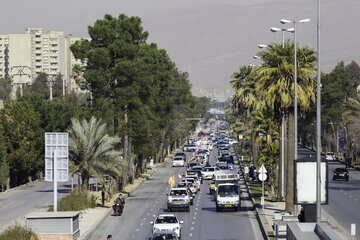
(20, 71)
(51, 79)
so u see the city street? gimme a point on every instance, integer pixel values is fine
(17, 203)
(202, 222)
(344, 197)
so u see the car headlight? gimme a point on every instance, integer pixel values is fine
(174, 229)
(186, 200)
(236, 201)
(156, 229)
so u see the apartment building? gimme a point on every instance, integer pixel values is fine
(24, 56)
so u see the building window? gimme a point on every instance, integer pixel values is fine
(45, 39)
(46, 45)
(45, 51)
(46, 70)
(46, 64)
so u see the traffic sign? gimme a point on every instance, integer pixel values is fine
(262, 169)
(262, 176)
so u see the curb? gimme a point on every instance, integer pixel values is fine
(256, 211)
(21, 186)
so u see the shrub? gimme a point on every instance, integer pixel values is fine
(76, 201)
(18, 233)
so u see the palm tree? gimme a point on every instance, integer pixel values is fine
(92, 151)
(275, 87)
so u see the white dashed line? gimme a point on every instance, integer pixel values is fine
(355, 199)
(141, 224)
(193, 223)
(137, 229)
(196, 209)
(194, 218)
(195, 213)
(350, 196)
(190, 235)
(144, 219)
(192, 228)
(148, 214)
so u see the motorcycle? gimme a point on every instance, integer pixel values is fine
(118, 209)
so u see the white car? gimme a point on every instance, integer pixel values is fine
(208, 172)
(178, 162)
(167, 222)
(330, 156)
(232, 141)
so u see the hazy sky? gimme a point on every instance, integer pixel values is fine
(210, 39)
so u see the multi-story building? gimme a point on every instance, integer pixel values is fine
(24, 56)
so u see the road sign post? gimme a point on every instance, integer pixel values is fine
(56, 160)
(262, 178)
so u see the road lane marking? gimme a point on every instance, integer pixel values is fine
(193, 223)
(194, 218)
(196, 209)
(195, 213)
(137, 229)
(350, 196)
(192, 228)
(190, 235)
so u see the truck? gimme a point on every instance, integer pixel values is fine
(227, 190)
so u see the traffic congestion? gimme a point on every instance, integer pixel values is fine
(221, 175)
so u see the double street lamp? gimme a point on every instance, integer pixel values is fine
(284, 21)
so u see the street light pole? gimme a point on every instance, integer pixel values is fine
(283, 30)
(283, 21)
(318, 123)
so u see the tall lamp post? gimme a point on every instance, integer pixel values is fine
(318, 122)
(283, 21)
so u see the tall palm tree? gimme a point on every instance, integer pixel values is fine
(92, 151)
(275, 87)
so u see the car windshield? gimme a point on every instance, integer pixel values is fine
(341, 170)
(209, 169)
(178, 192)
(164, 236)
(228, 190)
(190, 180)
(181, 184)
(330, 153)
(223, 167)
(178, 159)
(166, 219)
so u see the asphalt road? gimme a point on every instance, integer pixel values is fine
(16, 204)
(344, 198)
(202, 222)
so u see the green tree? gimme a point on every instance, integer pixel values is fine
(22, 134)
(274, 88)
(5, 88)
(40, 86)
(92, 151)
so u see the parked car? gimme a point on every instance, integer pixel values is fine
(167, 222)
(330, 156)
(341, 173)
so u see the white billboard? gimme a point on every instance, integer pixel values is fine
(305, 181)
(60, 143)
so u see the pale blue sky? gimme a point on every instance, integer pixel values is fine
(209, 39)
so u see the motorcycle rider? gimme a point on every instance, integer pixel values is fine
(121, 201)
